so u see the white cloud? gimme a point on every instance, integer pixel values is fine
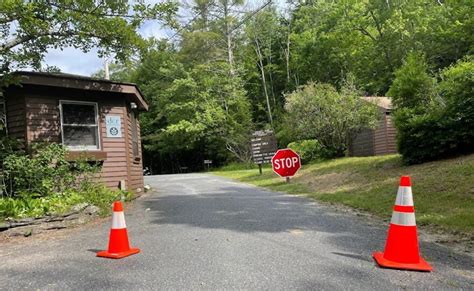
(153, 29)
(74, 61)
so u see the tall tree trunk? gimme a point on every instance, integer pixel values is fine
(228, 34)
(270, 75)
(262, 72)
(286, 52)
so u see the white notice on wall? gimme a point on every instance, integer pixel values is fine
(113, 126)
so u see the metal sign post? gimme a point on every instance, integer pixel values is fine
(208, 163)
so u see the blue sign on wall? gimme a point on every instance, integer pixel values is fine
(113, 125)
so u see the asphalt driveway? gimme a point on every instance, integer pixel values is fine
(199, 231)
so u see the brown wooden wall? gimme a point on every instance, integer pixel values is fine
(384, 137)
(43, 124)
(376, 142)
(16, 114)
(136, 169)
(362, 144)
(115, 167)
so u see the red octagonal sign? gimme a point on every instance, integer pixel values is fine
(286, 162)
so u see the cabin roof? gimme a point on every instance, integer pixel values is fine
(63, 80)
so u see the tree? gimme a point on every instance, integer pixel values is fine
(445, 128)
(413, 87)
(29, 28)
(260, 32)
(211, 109)
(318, 111)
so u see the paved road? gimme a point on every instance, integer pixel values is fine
(203, 232)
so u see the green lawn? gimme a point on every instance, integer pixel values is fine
(443, 191)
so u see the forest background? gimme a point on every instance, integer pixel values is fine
(230, 68)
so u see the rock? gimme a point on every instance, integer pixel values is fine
(59, 226)
(91, 210)
(146, 187)
(79, 207)
(25, 221)
(71, 217)
(4, 226)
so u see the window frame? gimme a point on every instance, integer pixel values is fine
(3, 109)
(97, 124)
(134, 135)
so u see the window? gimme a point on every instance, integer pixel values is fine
(80, 125)
(133, 118)
(3, 115)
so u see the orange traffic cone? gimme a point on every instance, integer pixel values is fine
(118, 242)
(401, 249)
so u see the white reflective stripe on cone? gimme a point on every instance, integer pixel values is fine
(404, 196)
(403, 218)
(118, 220)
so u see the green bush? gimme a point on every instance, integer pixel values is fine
(308, 150)
(101, 196)
(44, 172)
(94, 194)
(44, 182)
(319, 111)
(447, 127)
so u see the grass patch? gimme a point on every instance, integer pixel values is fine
(443, 190)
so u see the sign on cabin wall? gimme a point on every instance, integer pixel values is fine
(113, 125)
(264, 146)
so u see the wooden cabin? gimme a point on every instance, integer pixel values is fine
(91, 117)
(378, 141)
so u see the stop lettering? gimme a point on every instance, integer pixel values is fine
(286, 162)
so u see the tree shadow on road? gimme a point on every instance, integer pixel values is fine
(252, 210)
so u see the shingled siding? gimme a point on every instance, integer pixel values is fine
(37, 117)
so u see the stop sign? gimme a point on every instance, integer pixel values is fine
(286, 162)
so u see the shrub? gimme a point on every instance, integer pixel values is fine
(319, 111)
(94, 194)
(447, 128)
(44, 172)
(44, 183)
(308, 150)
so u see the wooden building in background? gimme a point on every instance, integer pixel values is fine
(378, 141)
(91, 117)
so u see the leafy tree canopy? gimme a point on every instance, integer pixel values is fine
(29, 28)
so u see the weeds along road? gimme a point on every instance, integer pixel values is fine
(199, 231)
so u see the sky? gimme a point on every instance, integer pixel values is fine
(74, 61)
